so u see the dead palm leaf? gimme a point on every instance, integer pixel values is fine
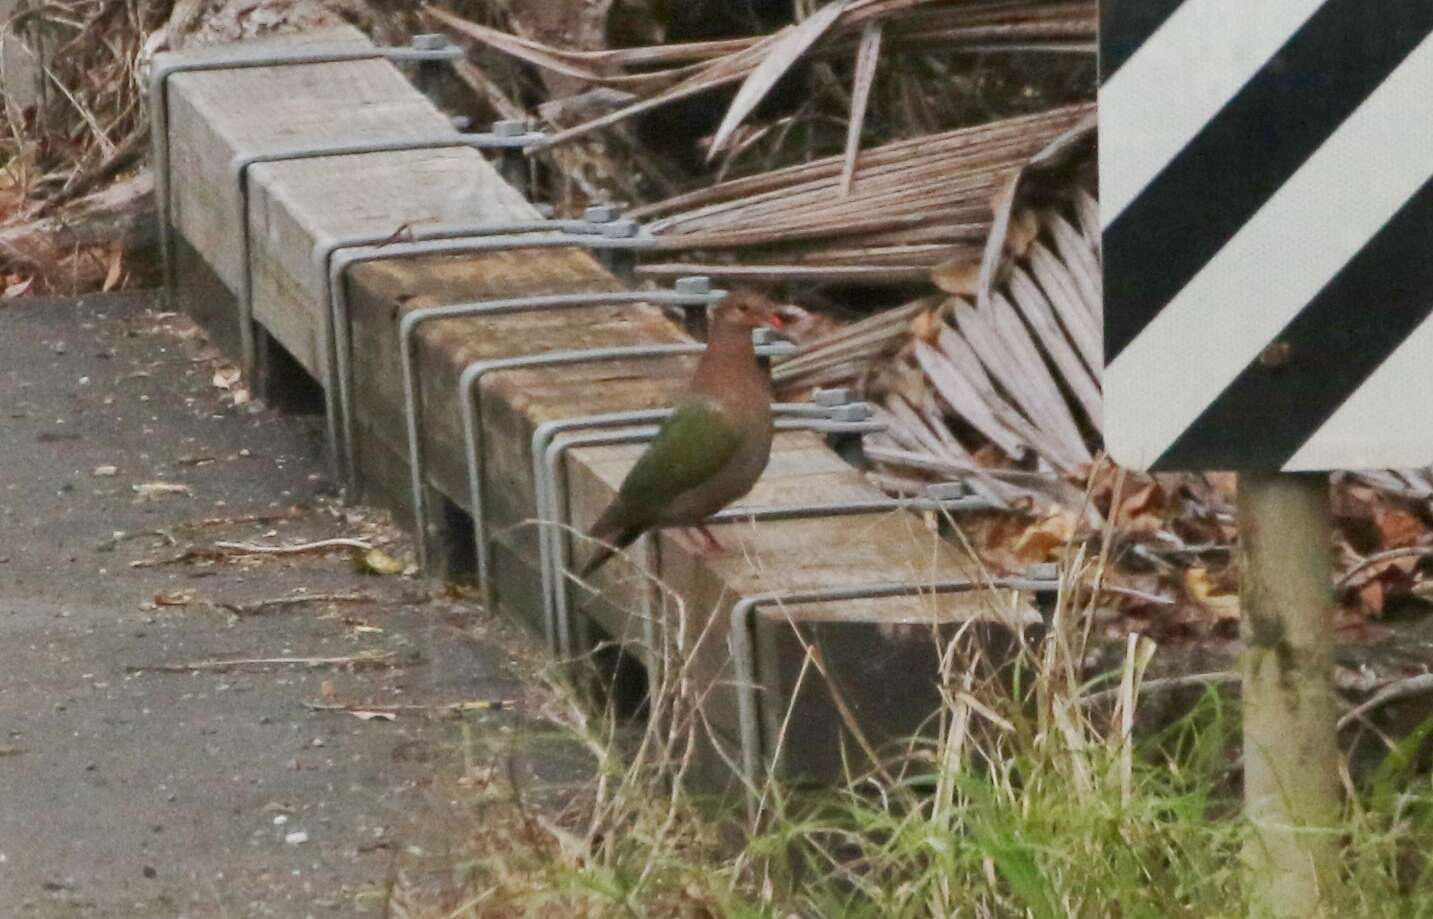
(917, 204)
(785, 50)
(868, 55)
(837, 28)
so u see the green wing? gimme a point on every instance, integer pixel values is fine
(691, 447)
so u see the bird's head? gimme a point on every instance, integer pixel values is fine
(746, 310)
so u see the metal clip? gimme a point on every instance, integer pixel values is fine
(159, 77)
(545, 473)
(470, 399)
(557, 498)
(339, 307)
(410, 323)
(239, 170)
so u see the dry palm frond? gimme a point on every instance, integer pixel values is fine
(914, 204)
(1021, 375)
(838, 28)
(867, 57)
(1024, 372)
(849, 353)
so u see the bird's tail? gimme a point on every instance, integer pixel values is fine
(613, 535)
(607, 549)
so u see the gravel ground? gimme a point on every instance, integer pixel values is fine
(142, 775)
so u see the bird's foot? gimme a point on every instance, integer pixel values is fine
(697, 541)
(686, 538)
(712, 546)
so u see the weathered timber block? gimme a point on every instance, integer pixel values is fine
(883, 661)
(797, 555)
(297, 206)
(513, 402)
(218, 115)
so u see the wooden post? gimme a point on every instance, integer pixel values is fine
(1291, 784)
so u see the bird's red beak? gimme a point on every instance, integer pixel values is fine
(775, 321)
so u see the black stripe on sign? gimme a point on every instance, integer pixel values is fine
(1236, 163)
(1125, 25)
(1327, 352)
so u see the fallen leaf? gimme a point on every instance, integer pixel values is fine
(327, 690)
(1391, 571)
(1200, 585)
(105, 472)
(225, 377)
(1398, 527)
(458, 591)
(1041, 542)
(1143, 511)
(374, 716)
(376, 561)
(116, 267)
(927, 326)
(17, 289)
(174, 598)
(1372, 597)
(802, 326)
(160, 489)
(959, 276)
(1024, 229)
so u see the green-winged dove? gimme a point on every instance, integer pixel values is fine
(714, 446)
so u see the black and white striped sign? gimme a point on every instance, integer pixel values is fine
(1266, 186)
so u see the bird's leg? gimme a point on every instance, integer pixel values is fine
(684, 537)
(712, 545)
(697, 540)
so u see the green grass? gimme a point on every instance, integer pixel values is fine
(1041, 832)
(1032, 798)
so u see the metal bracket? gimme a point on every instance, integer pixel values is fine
(932, 503)
(741, 641)
(545, 473)
(470, 400)
(239, 172)
(618, 234)
(323, 260)
(690, 293)
(558, 497)
(513, 166)
(159, 112)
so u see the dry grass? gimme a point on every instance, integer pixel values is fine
(1030, 794)
(90, 123)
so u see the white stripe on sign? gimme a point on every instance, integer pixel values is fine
(1156, 109)
(1276, 263)
(1387, 418)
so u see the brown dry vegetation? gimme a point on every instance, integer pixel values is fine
(912, 176)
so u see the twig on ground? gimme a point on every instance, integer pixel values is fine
(481, 705)
(288, 513)
(188, 555)
(356, 661)
(1167, 684)
(1401, 689)
(1380, 557)
(259, 607)
(321, 545)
